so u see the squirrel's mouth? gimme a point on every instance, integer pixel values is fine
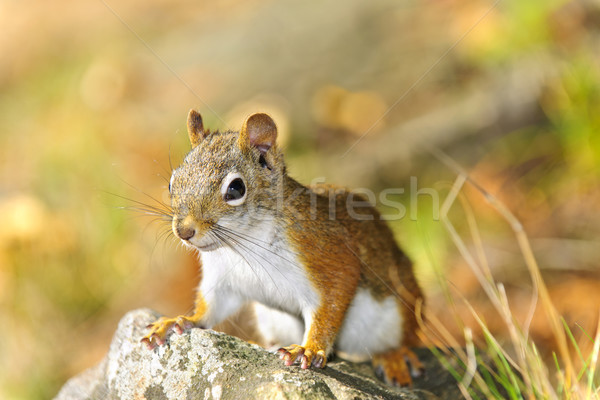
(205, 247)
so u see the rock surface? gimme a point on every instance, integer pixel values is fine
(203, 364)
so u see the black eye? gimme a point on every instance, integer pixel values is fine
(235, 190)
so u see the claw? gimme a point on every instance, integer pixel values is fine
(305, 362)
(160, 329)
(291, 354)
(291, 359)
(177, 328)
(148, 343)
(417, 368)
(157, 339)
(306, 356)
(320, 359)
(379, 372)
(417, 372)
(392, 367)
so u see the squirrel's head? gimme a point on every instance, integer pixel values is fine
(227, 183)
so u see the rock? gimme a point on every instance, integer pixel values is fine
(203, 364)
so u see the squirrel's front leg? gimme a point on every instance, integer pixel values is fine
(322, 328)
(160, 329)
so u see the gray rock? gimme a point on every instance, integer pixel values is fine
(203, 364)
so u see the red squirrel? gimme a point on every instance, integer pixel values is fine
(318, 273)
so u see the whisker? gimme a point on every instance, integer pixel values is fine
(146, 212)
(168, 172)
(170, 162)
(214, 236)
(254, 240)
(236, 238)
(162, 204)
(164, 235)
(229, 240)
(162, 207)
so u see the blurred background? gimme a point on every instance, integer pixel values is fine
(93, 101)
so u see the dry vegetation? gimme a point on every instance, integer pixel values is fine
(93, 99)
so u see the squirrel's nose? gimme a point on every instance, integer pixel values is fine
(185, 233)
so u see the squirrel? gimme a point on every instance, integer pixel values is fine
(319, 273)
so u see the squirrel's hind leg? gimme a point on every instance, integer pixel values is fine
(393, 368)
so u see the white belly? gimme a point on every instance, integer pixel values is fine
(370, 327)
(277, 328)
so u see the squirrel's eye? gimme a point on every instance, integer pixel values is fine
(234, 190)
(171, 183)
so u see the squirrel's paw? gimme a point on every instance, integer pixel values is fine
(305, 355)
(392, 367)
(160, 329)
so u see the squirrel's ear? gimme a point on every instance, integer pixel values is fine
(258, 131)
(196, 130)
